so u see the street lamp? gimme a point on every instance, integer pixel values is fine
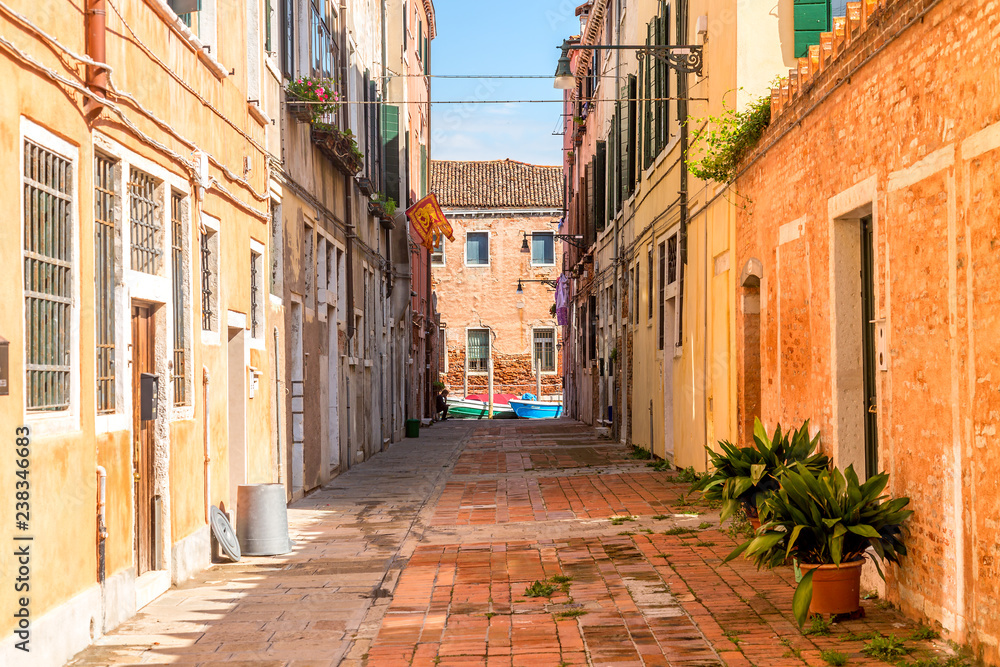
(682, 58)
(520, 287)
(572, 239)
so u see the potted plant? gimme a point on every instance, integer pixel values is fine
(746, 476)
(382, 206)
(826, 521)
(309, 98)
(339, 146)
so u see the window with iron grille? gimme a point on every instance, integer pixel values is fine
(256, 302)
(478, 350)
(308, 265)
(48, 277)
(545, 349)
(180, 300)
(208, 246)
(104, 281)
(672, 259)
(145, 222)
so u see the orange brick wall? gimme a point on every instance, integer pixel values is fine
(915, 132)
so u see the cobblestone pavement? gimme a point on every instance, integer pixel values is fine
(430, 554)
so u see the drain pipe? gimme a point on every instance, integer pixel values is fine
(97, 75)
(102, 526)
(205, 380)
(277, 408)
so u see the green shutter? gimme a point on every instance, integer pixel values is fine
(623, 153)
(423, 171)
(633, 143)
(612, 170)
(390, 144)
(648, 117)
(600, 187)
(812, 17)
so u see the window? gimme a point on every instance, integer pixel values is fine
(145, 222)
(442, 351)
(322, 42)
(177, 273)
(209, 248)
(478, 350)
(592, 328)
(437, 255)
(308, 265)
(256, 302)
(189, 11)
(276, 249)
(104, 281)
(649, 280)
(542, 248)
(288, 41)
(544, 350)
(477, 249)
(662, 299)
(48, 277)
(638, 277)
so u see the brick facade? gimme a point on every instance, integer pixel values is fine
(896, 118)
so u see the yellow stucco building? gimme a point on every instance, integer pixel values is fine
(650, 350)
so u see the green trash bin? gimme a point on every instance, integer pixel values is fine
(412, 428)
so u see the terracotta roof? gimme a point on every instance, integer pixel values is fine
(496, 184)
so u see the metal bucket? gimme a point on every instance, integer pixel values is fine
(262, 520)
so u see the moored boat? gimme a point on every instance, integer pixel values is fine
(531, 409)
(471, 407)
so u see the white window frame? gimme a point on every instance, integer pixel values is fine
(156, 289)
(212, 226)
(555, 352)
(489, 248)
(441, 261)
(260, 250)
(489, 349)
(63, 421)
(532, 248)
(115, 421)
(186, 265)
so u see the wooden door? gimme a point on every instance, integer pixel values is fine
(868, 341)
(143, 346)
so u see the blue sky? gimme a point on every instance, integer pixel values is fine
(506, 37)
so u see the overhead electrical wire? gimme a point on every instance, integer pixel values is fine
(553, 101)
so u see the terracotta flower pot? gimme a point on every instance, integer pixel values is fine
(836, 590)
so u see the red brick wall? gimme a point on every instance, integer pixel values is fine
(921, 120)
(512, 374)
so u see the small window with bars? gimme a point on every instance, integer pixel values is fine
(663, 296)
(48, 277)
(144, 217)
(276, 250)
(105, 311)
(478, 350)
(208, 250)
(180, 300)
(256, 298)
(544, 349)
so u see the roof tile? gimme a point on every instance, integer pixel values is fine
(496, 184)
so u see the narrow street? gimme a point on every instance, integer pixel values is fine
(422, 556)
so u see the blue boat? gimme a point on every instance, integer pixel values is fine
(528, 408)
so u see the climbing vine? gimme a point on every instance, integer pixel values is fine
(726, 138)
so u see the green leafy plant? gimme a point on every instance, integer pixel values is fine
(726, 138)
(888, 648)
(835, 658)
(826, 518)
(746, 476)
(819, 626)
(385, 202)
(539, 589)
(924, 632)
(640, 453)
(679, 531)
(659, 466)
(690, 476)
(320, 93)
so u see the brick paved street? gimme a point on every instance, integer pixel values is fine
(423, 555)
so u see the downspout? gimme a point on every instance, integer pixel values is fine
(97, 76)
(205, 380)
(102, 526)
(277, 409)
(428, 383)
(348, 187)
(618, 230)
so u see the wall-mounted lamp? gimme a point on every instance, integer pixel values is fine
(520, 285)
(682, 58)
(572, 239)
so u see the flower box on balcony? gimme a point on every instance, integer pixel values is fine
(339, 147)
(308, 99)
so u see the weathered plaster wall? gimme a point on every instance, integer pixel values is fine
(486, 297)
(930, 186)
